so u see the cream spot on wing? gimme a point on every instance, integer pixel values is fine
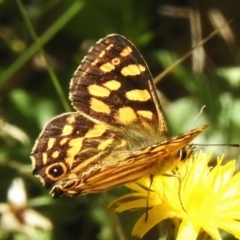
(63, 141)
(55, 154)
(74, 146)
(102, 53)
(44, 158)
(67, 130)
(104, 144)
(109, 47)
(138, 95)
(142, 68)
(126, 51)
(133, 70)
(50, 143)
(99, 106)
(126, 115)
(71, 119)
(112, 85)
(96, 131)
(107, 67)
(95, 62)
(98, 91)
(145, 114)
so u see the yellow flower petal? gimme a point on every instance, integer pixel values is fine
(206, 199)
(188, 230)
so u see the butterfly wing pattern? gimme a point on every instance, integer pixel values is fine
(118, 132)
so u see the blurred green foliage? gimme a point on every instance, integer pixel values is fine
(32, 91)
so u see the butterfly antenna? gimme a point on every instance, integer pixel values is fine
(216, 145)
(199, 114)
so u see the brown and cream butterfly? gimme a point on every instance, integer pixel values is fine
(118, 132)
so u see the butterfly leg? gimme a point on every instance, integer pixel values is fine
(151, 181)
(179, 189)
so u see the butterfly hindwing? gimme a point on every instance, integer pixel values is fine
(71, 144)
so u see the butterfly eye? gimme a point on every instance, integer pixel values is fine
(56, 171)
(182, 154)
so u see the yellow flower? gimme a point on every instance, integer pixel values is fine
(205, 200)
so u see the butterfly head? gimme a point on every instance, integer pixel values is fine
(185, 152)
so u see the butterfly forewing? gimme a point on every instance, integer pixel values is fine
(113, 83)
(118, 132)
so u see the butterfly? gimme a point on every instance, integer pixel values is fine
(118, 132)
